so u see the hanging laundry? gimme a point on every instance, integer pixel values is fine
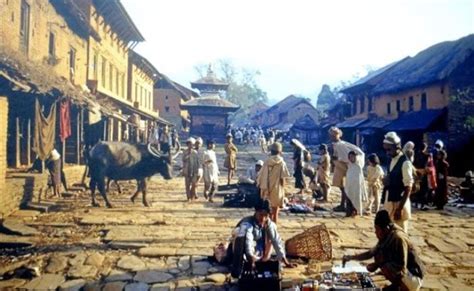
(64, 120)
(45, 127)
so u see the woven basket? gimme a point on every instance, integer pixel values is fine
(314, 243)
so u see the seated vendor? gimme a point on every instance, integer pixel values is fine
(252, 173)
(253, 238)
(393, 255)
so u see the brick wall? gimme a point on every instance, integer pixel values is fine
(4, 198)
(44, 21)
(23, 188)
(169, 99)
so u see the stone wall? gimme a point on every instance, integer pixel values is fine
(4, 197)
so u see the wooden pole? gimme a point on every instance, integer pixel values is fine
(63, 151)
(17, 140)
(28, 144)
(78, 136)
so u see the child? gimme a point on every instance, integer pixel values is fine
(190, 169)
(355, 185)
(210, 171)
(375, 175)
(323, 171)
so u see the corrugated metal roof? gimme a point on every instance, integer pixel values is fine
(350, 123)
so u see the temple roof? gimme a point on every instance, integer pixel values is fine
(210, 101)
(210, 80)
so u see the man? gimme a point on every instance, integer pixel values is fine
(340, 160)
(165, 140)
(190, 169)
(210, 171)
(253, 238)
(393, 255)
(398, 182)
(252, 173)
(272, 178)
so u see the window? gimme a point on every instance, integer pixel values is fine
(111, 77)
(398, 106)
(103, 73)
(369, 109)
(136, 92)
(24, 26)
(167, 109)
(411, 103)
(166, 97)
(117, 78)
(362, 104)
(389, 108)
(423, 101)
(72, 63)
(95, 61)
(52, 46)
(122, 88)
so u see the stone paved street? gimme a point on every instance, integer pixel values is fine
(166, 246)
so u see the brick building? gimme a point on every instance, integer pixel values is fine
(284, 114)
(168, 96)
(423, 98)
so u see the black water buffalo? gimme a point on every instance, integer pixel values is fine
(125, 161)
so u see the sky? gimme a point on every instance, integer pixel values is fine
(297, 45)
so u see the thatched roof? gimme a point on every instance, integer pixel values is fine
(285, 105)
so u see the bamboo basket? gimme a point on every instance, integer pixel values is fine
(314, 243)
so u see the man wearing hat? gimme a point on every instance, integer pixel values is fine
(252, 173)
(190, 169)
(340, 159)
(271, 179)
(398, 182)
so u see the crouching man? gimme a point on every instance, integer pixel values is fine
(393, 255)
(253, 240)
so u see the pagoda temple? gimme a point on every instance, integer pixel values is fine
(209, 112)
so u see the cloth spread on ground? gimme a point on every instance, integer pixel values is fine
(45, 127)
(65, 120)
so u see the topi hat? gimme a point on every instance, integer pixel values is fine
(259, 163)
(392, 138)
(191, 140)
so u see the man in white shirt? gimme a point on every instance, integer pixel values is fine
(340, 160)
(398, 182)
(252, 173)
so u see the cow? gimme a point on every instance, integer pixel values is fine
(125, 161)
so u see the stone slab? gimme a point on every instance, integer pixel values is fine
(150, 277)
(132, 263)
(114, 286)
(72, 285)
(117, 275)
(45, 282)
(156, 252)
(15, 226)
(137, 287)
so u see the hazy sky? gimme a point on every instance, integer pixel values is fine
(296, 45)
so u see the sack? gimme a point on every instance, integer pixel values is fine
(307, 156)
(220, 252)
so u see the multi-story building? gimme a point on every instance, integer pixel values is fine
(423, 98)
(167, 99)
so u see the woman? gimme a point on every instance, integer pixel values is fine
(298, 149)
(355, 185)
(230, 162)
(324, 164)
(441, 192)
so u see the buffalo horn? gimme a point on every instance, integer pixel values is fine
(153, 152)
